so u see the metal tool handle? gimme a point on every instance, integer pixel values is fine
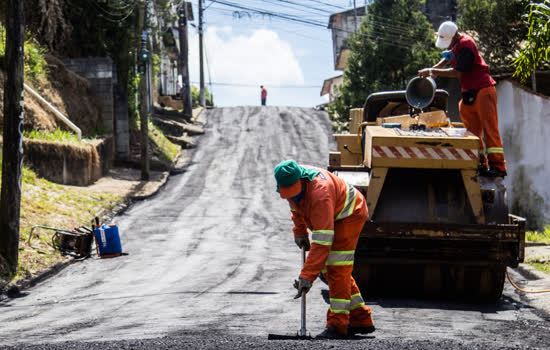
(303, 330)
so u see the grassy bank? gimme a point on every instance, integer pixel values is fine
(54, 205)
(541, 264)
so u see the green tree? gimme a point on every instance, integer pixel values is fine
(393, 42)
(195, 96)
(536, 50)
(497, 27)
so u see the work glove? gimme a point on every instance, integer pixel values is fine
(302, 241)
(301, 285)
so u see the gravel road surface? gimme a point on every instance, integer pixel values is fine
(211, 262)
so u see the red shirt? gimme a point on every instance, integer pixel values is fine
(264, 93)
(475, 72)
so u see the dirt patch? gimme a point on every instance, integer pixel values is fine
(68, 92)
(168, 101)
(126, 182)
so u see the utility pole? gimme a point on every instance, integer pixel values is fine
(355, 14)
(12, 150)
(184, 62)
(144, 93)
(202, 97)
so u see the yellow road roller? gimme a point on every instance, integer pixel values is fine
(436, 227)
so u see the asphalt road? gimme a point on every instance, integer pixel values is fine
(211, 262)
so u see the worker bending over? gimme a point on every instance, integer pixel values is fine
(335, 213)
(478, 107)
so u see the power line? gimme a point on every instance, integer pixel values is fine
(377, 35)
(125, 15)
(284, 16)
(327, 42)
(327, 4)
(208, 68)
(389, 34)
(295, 4)
(270, 86)
(112, 17)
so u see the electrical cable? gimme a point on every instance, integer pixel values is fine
(110, 13)
(285, 16)
(324, 41)
(208, 69)
(381, 36)
(523, 290)
(397, 35)
(327, 4)
(295, 4)
(271, 86)
(123, 7)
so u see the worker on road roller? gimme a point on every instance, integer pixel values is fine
(478, 107)
(335, 213)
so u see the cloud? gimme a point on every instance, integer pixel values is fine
(258, 57)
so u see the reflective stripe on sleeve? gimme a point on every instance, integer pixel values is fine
(347, 210)
(339, 306)
(340, 257)
(356, 301)
(495, 150)
(322, 237)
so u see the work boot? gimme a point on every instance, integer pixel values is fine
(360, 330)
(331, 333)
(496, 172)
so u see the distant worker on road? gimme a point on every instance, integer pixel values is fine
(335, 213)
(264, 95)
(478, 107)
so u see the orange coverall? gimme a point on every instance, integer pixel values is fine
(335, 213)
(481, 119)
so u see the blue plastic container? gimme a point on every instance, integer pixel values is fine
(107, 241)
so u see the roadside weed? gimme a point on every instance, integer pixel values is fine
(536, 236)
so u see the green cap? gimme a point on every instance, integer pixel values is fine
(287, 173)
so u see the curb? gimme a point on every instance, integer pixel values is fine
(530, 273)
(14, 290)
(535, 280)
(162, 182)
(535, 244)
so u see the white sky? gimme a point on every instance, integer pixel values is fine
(290, 59)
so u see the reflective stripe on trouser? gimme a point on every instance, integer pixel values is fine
(481, 119)
(343, 290)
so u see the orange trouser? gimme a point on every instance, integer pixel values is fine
(346, 303)
(482, 118)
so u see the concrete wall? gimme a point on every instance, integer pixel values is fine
(99, 71)
(524, 121)
(122, 132)
(168, 76)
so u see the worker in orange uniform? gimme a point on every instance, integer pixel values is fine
(335, 212)
(478, 107)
